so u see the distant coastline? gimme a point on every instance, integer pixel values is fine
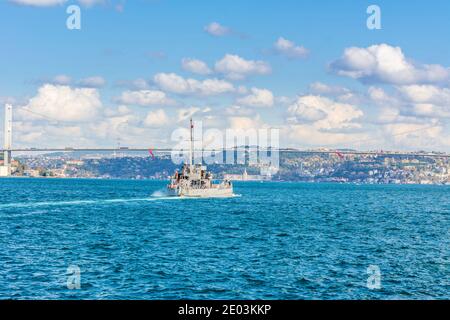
(238, 181)
(314, 168)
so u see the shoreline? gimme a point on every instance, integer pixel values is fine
(236, 181)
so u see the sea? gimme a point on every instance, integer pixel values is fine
(125, 239)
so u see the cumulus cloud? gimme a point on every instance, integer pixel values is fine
(239, 122)
(237, 68)
(121, 125)
(290, 49)
(324, 113)
(172, 82)
(195, 66)
(386, 64)
(32, 133)
(120, 111)
(257, 98)
(426, 100)
(63, 103)
(414, 135)
(156, 118)
(378, 94)
(145, 98)
(217, 30)
(311, 136)
(426, 94)
(411, 103)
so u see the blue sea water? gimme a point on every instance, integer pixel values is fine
(274, 241)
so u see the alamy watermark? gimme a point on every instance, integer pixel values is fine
(73, 274)
(73, 21)
(250, 146)
(374, 20)
(374, 277)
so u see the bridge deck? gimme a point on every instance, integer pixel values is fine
(166, 150)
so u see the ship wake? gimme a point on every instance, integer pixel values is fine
(79, 202)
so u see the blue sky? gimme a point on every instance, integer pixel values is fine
(109, 69)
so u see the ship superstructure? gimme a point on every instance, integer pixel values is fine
(193, 180)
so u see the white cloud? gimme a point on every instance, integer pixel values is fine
(39, 3)
(325, 113)
(62, 79)
(242, 90)
(29, 137)
(64, 131)
(239, 111)
(63, 103)
(120, 111)
(172, 82)
(415, 135)
(257, 98)
(426, 94)
(186, 113)
(195, 66)
(118, 125)
(237, 68)
(156, 118)
(216, 29)
(311, 136)
(245, 123)
(426, 100)
(411, 103)
(322, 88)
(378, 94)
(43, 135)
(145, 98)
(92, 82)
(290, 49)
(416, 104)
(386, 64)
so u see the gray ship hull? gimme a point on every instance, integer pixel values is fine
(202, 193)
(194, 181)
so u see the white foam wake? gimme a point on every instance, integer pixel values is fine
(159, 195)
(80, 202)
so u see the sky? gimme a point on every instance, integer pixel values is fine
(137, 70)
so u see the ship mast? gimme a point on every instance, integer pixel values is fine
(191, 160)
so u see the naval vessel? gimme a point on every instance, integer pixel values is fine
(193, 180)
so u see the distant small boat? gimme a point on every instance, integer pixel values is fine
(193, 180)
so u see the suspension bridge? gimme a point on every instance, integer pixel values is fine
(8, 149)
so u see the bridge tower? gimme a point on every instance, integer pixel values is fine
(5, 170)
